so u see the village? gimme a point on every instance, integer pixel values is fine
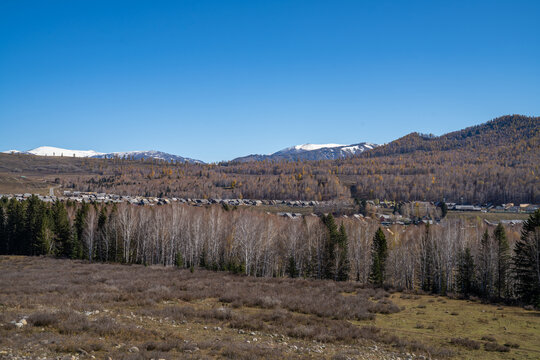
(384, 211)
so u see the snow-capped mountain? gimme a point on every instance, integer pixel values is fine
(312, 152)
(311, 147)
(293, 153)
(137, 155)
(148, 154)
(55, 151)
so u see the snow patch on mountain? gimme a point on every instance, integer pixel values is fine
(56, 151)
(312, 152)
(149, 154)
(310, 147)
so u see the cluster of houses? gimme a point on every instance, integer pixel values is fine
(384, 219)
(510, 207)
(87, 197)
(387, 220)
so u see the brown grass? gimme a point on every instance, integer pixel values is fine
(88, 309)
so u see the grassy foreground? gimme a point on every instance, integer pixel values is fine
(51, 308)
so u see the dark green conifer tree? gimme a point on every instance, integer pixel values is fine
(343, 267)
(503, 261)
(379, 254)
(329, 253)
(80, 223)
(291, 267)
(444, 209)
(15, 229)
(465, 276)
(527, 261)
(485, 273)
(37, 237)
(62, 231)
(3, 237)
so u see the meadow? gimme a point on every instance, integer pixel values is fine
(55, 308)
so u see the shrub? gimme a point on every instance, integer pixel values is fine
(466, 343)
(488, 338)
(73, 323)
(512, 345)
(491, 346)
(43, 319)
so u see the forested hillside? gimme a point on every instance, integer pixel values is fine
(494, 162)
(506, 131)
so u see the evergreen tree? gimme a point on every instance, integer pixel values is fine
(80, 224)
(485, 273)
(444, 209)
(362, 207)
(527, 261)
(62, 230)
(37, 241)
(101, 246)
(3, 237)
(291, 267)
(15, 229)
(329, 254)
(503, 260)
(379, 254)
(343, 248)
(465, 276)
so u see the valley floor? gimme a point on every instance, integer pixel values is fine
(56, 309)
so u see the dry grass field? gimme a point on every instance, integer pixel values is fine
(52, 308)
(20, 184)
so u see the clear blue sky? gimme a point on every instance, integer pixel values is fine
(219, 79)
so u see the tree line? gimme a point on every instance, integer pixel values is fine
(456, 256)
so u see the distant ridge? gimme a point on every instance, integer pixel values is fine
(499, 132)
(149, 154)
(136, 155)
(56, 151)
(312, 152)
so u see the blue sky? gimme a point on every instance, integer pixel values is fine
(214, 80)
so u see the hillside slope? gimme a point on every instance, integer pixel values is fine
(496, 162)
(503, 132)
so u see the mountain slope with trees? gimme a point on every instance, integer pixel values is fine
(495, 162)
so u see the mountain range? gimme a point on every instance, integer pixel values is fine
(312, 152)
(135, 155)
(293, 153)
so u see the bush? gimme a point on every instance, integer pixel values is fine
(512, 345)
(491, 346)
(43, 319)
(466, 343)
